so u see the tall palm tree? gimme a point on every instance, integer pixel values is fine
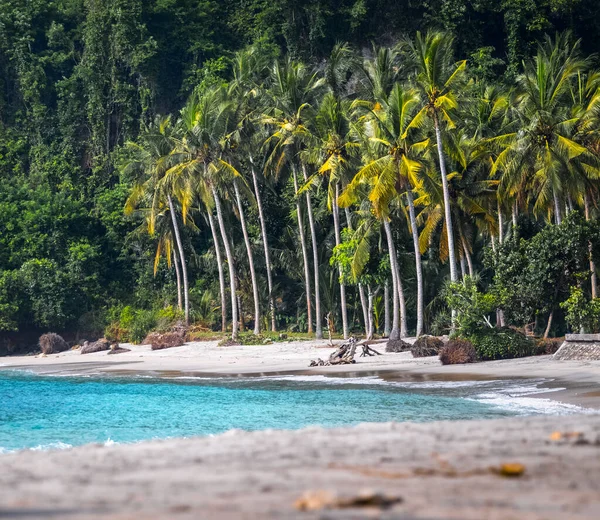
(293, 90)
(438, 78)
(396, 163)
(200, 157)
(544, 148)
(149, 161)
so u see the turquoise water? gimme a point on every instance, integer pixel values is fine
(45, 412)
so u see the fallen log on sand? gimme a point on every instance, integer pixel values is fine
(344, 355)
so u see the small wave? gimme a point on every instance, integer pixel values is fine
(52, 446)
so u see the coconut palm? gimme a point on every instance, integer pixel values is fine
(438, 78)
(149, 162)
(293, 90)
(396, 164)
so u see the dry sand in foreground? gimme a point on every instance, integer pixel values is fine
(437, 470)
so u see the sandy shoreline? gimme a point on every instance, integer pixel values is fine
(579, 379)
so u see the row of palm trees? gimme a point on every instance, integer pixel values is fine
(403, 131)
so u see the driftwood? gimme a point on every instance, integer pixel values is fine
(344, 355)
(95, 346)
(368, 351)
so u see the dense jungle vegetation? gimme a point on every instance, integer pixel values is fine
(357, 165)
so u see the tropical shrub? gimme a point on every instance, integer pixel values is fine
(582, 314)
(548, 346)
(473, 306)
(458, 351)
(503, 343)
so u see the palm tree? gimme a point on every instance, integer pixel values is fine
(397, 162)
(198, 157)
(149, 163)
(293, 90)
(249, 71)
(544, 148)
(438, 78)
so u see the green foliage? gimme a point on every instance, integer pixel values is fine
(472, 306)
(502, 343)
(581, 313)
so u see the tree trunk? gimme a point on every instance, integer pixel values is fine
(231, 266)
(186, 291)
(500, 224)
(386, 297)
(338, 240)
(178, 275)
(304, 253)
(514, 215)
(315, 250)
(593, 278)
(418, 265)
(395, 332)
(365, 307)
(250, 258)
(467, 255)
(402, 306)
(447, 207)
(361, 289)
(263, 229)
(557, 210)
(213, 230)
(463, 267)
(370, 326)
(549, 325)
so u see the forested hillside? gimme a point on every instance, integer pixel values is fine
(126, 122)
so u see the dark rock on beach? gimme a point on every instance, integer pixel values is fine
(95, 346)
(52, 343)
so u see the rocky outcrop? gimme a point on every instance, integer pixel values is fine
(95, 346)
(52, 343)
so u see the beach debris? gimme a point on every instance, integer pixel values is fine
(116, 349)
(95, 346)
(397, 345)
(368, 351)
(161, 341)
(344, 355)
(321, 499)
(426, 346)
(511, 470)
(574, 438)
(51, 343)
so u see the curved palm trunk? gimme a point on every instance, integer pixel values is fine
(315, 250)
(250, 259)
(447, 209)
(186, 292)
(336, 225)
(304, 253)
(418, 264)
(231, 265)
(467, 255)
(500, 224)
(386, 298)
(361, 289)
(263, 230)
(593, 278)
(213, 230)
(401, 303)
(178, 275)
(395, 332)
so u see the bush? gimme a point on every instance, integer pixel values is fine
(397, 345)
(166, 340)
(427, 346)
(582, 314)
(457, 352)
(504, 343)
(52, 343)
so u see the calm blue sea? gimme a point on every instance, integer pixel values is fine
(43, 412)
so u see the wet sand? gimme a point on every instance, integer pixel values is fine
(580, 380)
